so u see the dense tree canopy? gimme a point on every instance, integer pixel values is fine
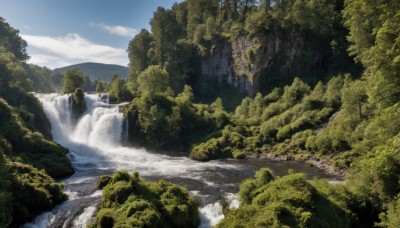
(11, 40)
(139, 58)
(72, 80)
(374, 37)
(153, 80)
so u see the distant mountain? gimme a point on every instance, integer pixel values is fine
(98, 71)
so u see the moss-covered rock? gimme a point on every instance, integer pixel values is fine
(103, 181)
(33, 191)
(129, 201)
(289, 201)
(78, 104)
(31, 146)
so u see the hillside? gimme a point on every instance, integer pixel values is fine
(98, 71)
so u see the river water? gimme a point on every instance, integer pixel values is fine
(95, 149)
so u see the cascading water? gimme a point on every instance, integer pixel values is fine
(95, 149)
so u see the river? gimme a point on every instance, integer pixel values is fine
(95, 149)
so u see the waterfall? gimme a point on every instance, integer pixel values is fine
(100, 126)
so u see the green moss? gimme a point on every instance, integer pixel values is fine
(129, 201)
(33, 192)
(238, 154)
(30, 146)
(27, 187)
(5, 193)
(78, 104)
(288, 201)
(103, 181)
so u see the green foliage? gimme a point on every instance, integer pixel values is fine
(391, 218)
(78, 104)
(153, 81)
(119, 91)
(100, 87)
(35, 149)
(139, 58)
(373, 34)
(11, 40)
(259, 23)
(13, 71)
(72, 80)
(273, 119)
(5, 193)
(250, 187)
(381, 170)
(168, 122)
(43, 79)
(130, 201)
(33, 192)
(27, 158)
(289, 201)
(103, 181)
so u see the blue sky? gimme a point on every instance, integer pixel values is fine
(61, 33)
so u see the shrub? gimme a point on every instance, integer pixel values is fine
(129, 201)
(289, 201)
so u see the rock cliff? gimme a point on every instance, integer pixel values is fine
(249, 64)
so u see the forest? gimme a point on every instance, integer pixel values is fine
(312, 80)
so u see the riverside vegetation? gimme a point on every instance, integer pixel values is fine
(335, 97)
(129, 201)
(29, 160)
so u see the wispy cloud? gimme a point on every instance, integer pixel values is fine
(118, 30)
(71, 49)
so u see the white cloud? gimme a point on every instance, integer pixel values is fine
(118, 30)
(71, 49)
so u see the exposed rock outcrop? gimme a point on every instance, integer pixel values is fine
(248, 64)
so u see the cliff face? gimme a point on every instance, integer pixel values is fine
(219, 66)
(248, 64)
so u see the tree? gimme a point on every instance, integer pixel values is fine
(119, 91)
(100, 87)
(72, 80)
(186, 97)
(11, 41)
(373, 36)
(12, 72)
(78, 104)
(115, 76)
(198, 12)
(138, 53)
(152, 81)
(354, 96)
(165, 32)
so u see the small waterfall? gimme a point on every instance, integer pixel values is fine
(100, 126)
(58, 109)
